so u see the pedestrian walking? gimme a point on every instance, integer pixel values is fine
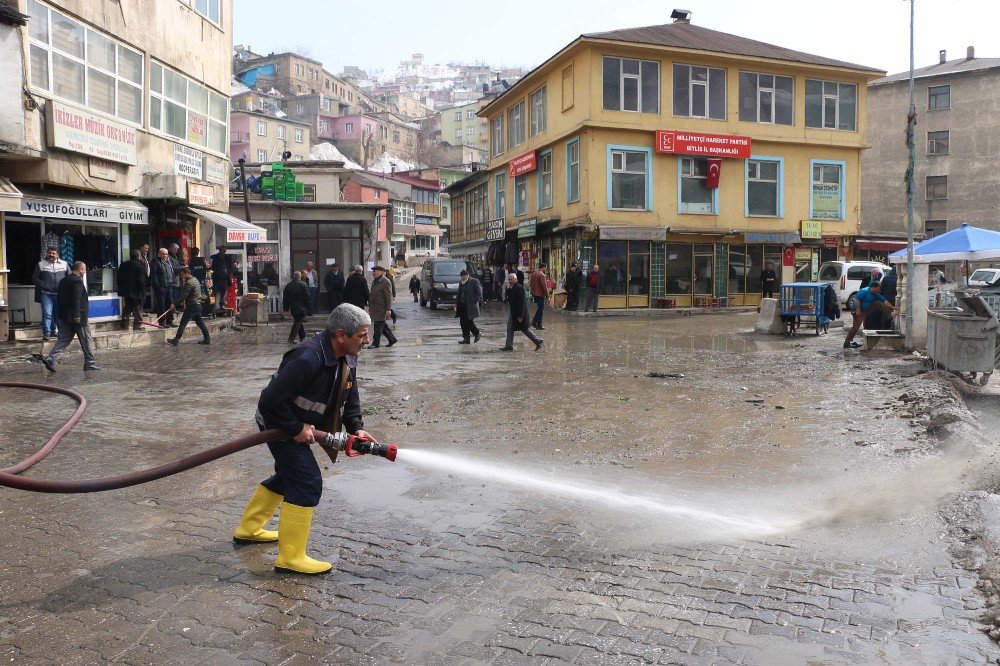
(162, 278)
(312, 281)
(189, 300)
(593, 287)
(500, 283)
(518, 318)
(73, 307)
(380, 307)
(356, 290)
(415, 287)
(768, 281)
(313, 382)
(222, 275)
(176, 264)
(334, 283)
(539, 293)
(295, 300)
(132, 289)
(571, 283)
(866, 301)
(49, 272)
(520, 275)
(391, 274)
(470, 296)
(487, 284)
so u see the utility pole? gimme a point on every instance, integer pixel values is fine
(911, 122)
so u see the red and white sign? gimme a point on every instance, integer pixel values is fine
(522, 164)
(699, 143)
(200, 195)
(788, 256)
(714, 172)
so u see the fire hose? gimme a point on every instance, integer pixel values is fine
(332, 443)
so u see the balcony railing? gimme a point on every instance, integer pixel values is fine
(239, 137)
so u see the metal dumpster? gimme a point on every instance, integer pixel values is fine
(963, 339)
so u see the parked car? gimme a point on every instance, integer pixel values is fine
(985, 279)
(847, 276)
(439, 280)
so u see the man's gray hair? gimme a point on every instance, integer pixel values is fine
(359, 268)
(296, 275)
(347, 317)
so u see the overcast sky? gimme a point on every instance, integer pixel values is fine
(377, 34)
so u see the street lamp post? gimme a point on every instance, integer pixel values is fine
(911, 122)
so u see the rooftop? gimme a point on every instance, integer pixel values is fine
(949, 68)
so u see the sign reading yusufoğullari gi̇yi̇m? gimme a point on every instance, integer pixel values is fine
(82, 210)
(82, 132)
(702, 144)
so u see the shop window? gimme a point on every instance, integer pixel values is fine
(699, 92)
(538, 120)
(745, 265)
(612, 258)
(186, 110)
(631, 85)
(937, 187)
(831, 105)
(938, 98)
(520, 195)
(704, 265)
(764, 187)
(766, 98)
(515, 125)
(499, 196)
(678, 268)
(629, 178)
(545, 180)
(695, 196)
(573, 170)
(826, 201)
(937, 143)
(496, 134)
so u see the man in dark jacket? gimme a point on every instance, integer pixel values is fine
(334, 283)
(415, 287)
(518, 320)
(74, 305)
(305, 392)
(356, 288)
(380, 307)
(132, 289)
(189, 300)
(161, 275)
(222, 273)
(295, 300)
(572, 286)
(470, 295)
(768, 281)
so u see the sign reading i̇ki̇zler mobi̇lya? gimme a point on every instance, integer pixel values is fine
(699, 143)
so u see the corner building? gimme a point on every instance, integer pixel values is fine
(681, 160)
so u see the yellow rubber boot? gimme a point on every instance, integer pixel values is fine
(260, 509)
(294, 523)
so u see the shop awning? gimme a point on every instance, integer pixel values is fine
(877, 244)
(428, 230)
(786, 238)
(36, 203)
(237, 230)
(10, 197)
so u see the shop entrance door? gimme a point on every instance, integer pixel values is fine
(624, 281)
(638, 274)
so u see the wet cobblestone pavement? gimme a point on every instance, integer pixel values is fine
(431, 567)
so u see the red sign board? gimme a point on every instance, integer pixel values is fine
(699, 143)
(831, 241)
(522, 164)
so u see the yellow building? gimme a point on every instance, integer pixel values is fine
(608, 150)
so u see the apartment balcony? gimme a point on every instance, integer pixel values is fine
(239, 137)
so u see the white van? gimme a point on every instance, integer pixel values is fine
(846, 276)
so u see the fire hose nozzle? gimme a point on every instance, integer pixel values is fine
(353, 447)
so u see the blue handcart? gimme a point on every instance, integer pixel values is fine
(803, 299)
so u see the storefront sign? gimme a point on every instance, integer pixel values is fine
(196, 128)
(527, 228)
(522, 164)
(83, 210)
(633, 233)
(812, 229)
(826, 201)
(803, 253)
(82, 132)
(103, 169)
(216, 171)
(496, 229)
(245, 236)
(699, 143)
(831, 241)
(188, 162)
(200, 195)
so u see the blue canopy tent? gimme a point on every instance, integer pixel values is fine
(962, 244)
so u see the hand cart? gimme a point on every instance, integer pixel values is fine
(798, 300)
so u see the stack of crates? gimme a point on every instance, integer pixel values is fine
(280, 184)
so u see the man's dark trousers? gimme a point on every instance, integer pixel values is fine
(572, 299)
(536, 321)
(381, 328)
(296, 475)
(468, 326)
(522, 326)
(192, 312)
(298, 328)
(133, 309)
(163, 302)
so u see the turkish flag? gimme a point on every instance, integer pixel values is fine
(714, 171)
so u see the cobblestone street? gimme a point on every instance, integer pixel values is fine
(433, 567)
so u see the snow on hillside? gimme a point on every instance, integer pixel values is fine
(328, 152)
(387, 163)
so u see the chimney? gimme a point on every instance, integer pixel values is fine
(681, 15)
(970, 53)
(942, 56)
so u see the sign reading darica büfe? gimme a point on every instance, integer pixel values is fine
(82, 132)
(701, 144)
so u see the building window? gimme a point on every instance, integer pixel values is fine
(699, 92)
(78, 64)
(938, 98)
(422, 243)
(324, 126)
(470, 130)
(520, 195)
(281, 131)
(934, 228)
(631, 85)
(458, 132)
(499, 195)
(937, 187)
(207, 8)
(395, 136)
(403, 213)
(573, 170)
(497, 134)
(349, 128)
(261, 128)
(628, 182)
(567, 88)
(831, 105)
(187, 110)
(826, 201)
(300, 109)
(537, 111)
(326, 105)
(766, 98)
(470, 114)
(299, 135)
(763, 188)
(515, 125)
(545, 180)
(458, 116)
(261, 155)
(695, 196)
(937, 143)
